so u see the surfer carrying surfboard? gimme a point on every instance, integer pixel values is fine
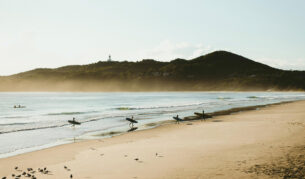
(74, 122)
(132, 121)
(177, 119)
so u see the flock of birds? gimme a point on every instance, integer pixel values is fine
(32, 174)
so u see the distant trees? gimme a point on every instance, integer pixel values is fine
(216, 71)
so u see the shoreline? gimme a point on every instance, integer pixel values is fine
(102, 135)
(245, 144)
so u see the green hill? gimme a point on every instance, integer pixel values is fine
(219, 70)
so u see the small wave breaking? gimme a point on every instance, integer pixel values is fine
(159, 107)
(68, 113)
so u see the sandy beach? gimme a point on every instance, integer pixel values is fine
(264, 143)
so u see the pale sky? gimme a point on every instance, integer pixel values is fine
(53, 33)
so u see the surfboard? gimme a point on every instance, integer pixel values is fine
(177, 118)
(74, 122)
(131, 120)
(198, 114)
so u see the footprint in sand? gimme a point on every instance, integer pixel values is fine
(66, 168)
(158, 155)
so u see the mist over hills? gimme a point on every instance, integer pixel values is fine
(217, 71)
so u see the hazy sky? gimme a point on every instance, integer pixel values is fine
(53, 33)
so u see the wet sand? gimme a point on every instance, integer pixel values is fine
(264, 143)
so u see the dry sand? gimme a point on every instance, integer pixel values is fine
(264, 143)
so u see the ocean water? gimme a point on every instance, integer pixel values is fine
(43, 120)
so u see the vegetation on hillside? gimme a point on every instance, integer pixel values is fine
(219, 70)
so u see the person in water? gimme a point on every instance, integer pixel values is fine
(203, 115)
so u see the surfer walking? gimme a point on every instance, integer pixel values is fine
(177, 119)
(74, 122)
(132, 121)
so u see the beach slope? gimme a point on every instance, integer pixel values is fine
(264, 143)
